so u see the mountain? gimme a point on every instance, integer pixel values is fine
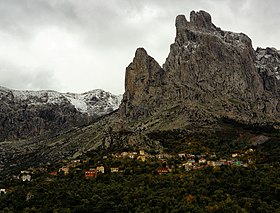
(33, 113)
(213, 89)
(208, 74)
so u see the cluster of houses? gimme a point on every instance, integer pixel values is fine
(24, 175)
(190, 161)
(187, 161)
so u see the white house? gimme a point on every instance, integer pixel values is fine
(182, 155)
(114, 170)
(26, 177)
(202, 160)
(3, 191)
(234, 155)
(100, 169)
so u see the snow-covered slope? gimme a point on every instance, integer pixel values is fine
(95, 102)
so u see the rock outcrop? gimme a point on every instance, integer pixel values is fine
(25, 114)
(215, 72)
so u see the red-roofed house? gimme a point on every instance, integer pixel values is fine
(90, 174)
(162, 170)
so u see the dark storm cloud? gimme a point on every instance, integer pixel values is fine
(87, 44)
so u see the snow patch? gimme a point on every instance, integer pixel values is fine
(78, 102)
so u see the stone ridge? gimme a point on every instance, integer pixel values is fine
(206, 67)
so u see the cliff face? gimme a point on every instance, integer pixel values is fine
(214, 71)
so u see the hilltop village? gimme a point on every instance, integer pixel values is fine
(129, 162)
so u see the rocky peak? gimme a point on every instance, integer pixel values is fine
(181, 22)
(201, 20)
(207, 67)
(142, 75)
(198, 21)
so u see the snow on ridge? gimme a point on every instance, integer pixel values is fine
(37, 97)
(92, 102)
(77, 101)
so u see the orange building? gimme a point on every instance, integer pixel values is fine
(90, 174)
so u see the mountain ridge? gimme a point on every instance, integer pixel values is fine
(32, 113)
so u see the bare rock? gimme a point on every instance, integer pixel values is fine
(207, 68)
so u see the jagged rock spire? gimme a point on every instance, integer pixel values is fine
(198, 21)
(142, 78)
(201, 20)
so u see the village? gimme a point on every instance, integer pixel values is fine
(117, 163)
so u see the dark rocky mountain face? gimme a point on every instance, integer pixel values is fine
(213, 73)
(25, 114)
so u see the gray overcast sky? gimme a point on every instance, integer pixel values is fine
(80, 45)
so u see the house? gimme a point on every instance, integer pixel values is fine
(202, 160)
(188, 167)
(210, 163)
(168, 156)
(100, 169)
(26, 177)
(190, 156)
(249, 151)
(197, 167)
(90, 173)
(124, 154)
(213, 156)
(214, 163)
(65, 170)
(162, 171)
(142, 158)
(131, 155)
(159, 156)
(114, 170)
(229, 162)
(234, 155)
(182, 155)
(141, 152)
(25, 172)
(191, 161)
(117, 155)
(223, 161)
(53, 173)
(74, 163)
(2, 191)
(15, 177)
(217, 163)
(238, 163)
